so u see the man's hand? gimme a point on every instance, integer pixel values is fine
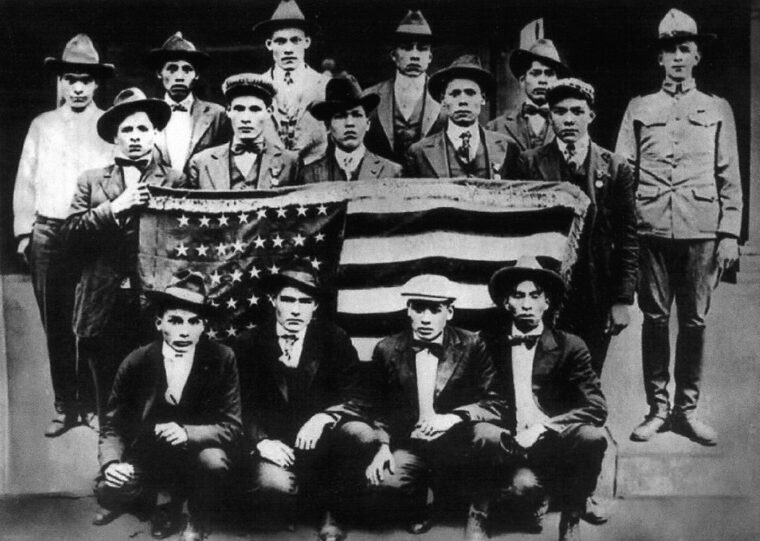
(383, 461)
(118, 473)
(136, 195)
(276, 452)
(311, 431)
(435, 426)
(528, 437)
(23, 249)
(727, 253)
(171, 433)
(619, 319)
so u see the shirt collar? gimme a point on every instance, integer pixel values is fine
(538, 331)
(172, 354)
(454, 132)
(404, 82)
(355, 156)
(187, 102)
(581, 148)
(673, 88)
(278, 74)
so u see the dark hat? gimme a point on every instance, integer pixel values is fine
(342, 93)
(413, 27)
(544, 51)
(525, 268)
(126, 102)
(80, 56)
(465, 67)
(298, 274)
(570, 88)
(677, 27)
(248, 84)
(177, 48)
(185, 290)
(287, 15)
(429, 287)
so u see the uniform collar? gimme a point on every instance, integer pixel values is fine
(672, 88)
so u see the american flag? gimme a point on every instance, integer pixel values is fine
(365, 239)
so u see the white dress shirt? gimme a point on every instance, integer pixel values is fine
(580, 153)
(177, 366)
(527, 411)
(426, 367)
(291, 354)
(349, 161)
(178, 131)
(408, 91)
(536, 122)
(454, 133)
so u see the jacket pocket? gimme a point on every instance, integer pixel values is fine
(706, 208)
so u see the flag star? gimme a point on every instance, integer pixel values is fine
(184, 221)
(231, 303)
(243, 217)
(202, 249)
(205, 221)
(181, 249)
(274, 269)
(221, 248)
(253, 299)
(277, 241)
(316, 263)
(232, 331)
(215, 278)
(261, 213)
(280, 212)
(298, 240)
(322, 209)
(211, 334)
(254, 272)
(236, 275)
(319, 237)
(237, 246)
(302, 210)
(259, 242)
(223, 220)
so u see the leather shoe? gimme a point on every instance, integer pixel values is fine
(422, 523)
(193, 531)
(62, 422)
(598, 510)
(104, 516)
(477, 526)
(166, 521)
(651, 425)
(569, 526)
(331, 530)
(694, 429)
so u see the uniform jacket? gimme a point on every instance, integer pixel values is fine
(380, 136)
(211, 127)
(334, 381)
(565, 386)
(210, 170)
(467, 382)
(106, 246)
(686, 164)
(611, 257)
(210, 400)
(516, 126)
(427, 157)
(326, 169)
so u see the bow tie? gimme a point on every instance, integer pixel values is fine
(242, 147)
(125, 162)
(288, 78)
(529, 109)
(433, 347)
(179, 107)
(529, 340)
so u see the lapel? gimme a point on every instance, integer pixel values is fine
(514, 125)
(201, 122)
(432, 110)
(311, 353)
(549, 162)
(199, 374)
(452, 356)
(270, 355)
(546, 358)
(385, 109)
(371, 167)
(496, 150)
(112, 182)
(154, 175)
(596, 173)
(218, 168)
(434, 150)
(270, 171)
(407, 371)
(157, 377)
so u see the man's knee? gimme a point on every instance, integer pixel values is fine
(407, 474)
(214, 461)
(591, 440)
(356, 433)
(270, 478)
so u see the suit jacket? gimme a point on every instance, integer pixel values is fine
(380, 136)
(610, 253)
(516, 126)
(467, 382)
(326, 168)
(210, 170)
(209, 407)
(211, 127)
(427, 157)
(106, 246)
(565, 386)
(334, 382)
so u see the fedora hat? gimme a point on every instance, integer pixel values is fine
(342, 93)
(525, 268)
(413, 27)
(544, 51)
(80, 56)
(677, 26)
(287, 15)
(177, 48)
(298, 274)
(465, 67)
(185, 290)
(248, 84)
(126, 102)
(429, 287)
(570, 88)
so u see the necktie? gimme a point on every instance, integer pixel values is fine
(178, 107)
(432, 347)
(529, 340)
(288, 78)
(286, 344)
(570, 157)
(530, 109)
(245, 145)
(125, 162)
(464, 149)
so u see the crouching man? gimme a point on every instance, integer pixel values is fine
(173, 420)
(557, 406)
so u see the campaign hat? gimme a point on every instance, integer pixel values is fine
(677, 27)
(79, 56)
(177, 48)
(413, 27)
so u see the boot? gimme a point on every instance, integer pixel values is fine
(65, 419)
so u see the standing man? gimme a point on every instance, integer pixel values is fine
(287, 36)
(407, 112)
(59, 146)
(557, 409)
(102, 232)
(440, 404)
(303, 406)
(462, 148)
(682, 143)
(345, 112)
(536, 68)
(195, 124)
(250, 161)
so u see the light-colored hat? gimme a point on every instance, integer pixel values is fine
(467, 66)
(570, 88)
(414, 26)
(677, 26)
(128, 101)
(429, 287)
(526, 267)
(287, 15)
(80, 56)
(544, 51)
(177, 48)
(247, 84)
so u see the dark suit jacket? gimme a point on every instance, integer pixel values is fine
(516, 126)
(427, 157)
(211, 127)
(106, 247)
(610, 254)
(210, 403)
(380, 137)
(565, 387)
(334, 381)
(210, 170)
(326, 168)
(467, 382)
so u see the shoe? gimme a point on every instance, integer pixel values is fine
(193, 530)
(694, 429)
(477, 526)
(166, 521)
(63, 421)
(104, 516)
(422, 523)
(598, 510)
(331, 530)
(569, 526)
(651, 425)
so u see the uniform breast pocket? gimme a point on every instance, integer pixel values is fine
(702, 130)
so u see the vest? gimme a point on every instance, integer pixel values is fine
(477, 168)
(406, 132)
(239, 181)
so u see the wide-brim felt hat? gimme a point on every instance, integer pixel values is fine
(413, 27)
(464, 67)
(544, 51)
(343, 93)
(525, 268)
(186, 290)
(79, 56)
(299, 275)
(287, 15)
(128, 101)
(177, 48)
(677, 27)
